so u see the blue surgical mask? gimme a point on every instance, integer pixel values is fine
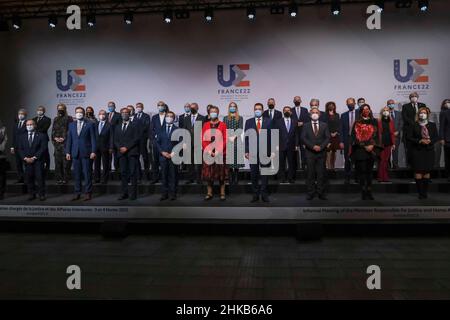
(258, 113)
(187, 109)
(391, 106)
(232, 109)
(111, 108)
(161, 108)
(213, 115)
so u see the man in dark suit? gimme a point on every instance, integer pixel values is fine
(315, 136)
(103, 134)
(143, 122)
(444, 136)
(164, 144)
(300, 116)
(81, 146)
(156, 123)
(185, 115)
(287, 144)
(194, 170)
(114, 119)
(255, 125)
(314, 103)
(31, 149)
(271, 112)
(409, 112)
(396, 116)
(348, 118)
(19, 129)
(43, 123)
(126, 141)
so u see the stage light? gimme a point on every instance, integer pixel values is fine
(276, 9)
(209, 14)
(251, 13)
(128, 18)
(91, 20)
(168, 16)
(181, 14)
(16, 22)
(336, 7)
(52, 21)
(293, 10)
(380, 4)
(423, 5)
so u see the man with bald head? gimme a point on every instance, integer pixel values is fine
(347, 120)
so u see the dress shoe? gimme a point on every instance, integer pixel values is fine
(291, 181)
(164, 197)
(133, 197)
(189, 182)
(19, 181)
(310, 196)
(265, 199)
(123, 197)
(154, 181)
(42, 198)
(369, 196)
(173, 197)
(32, 197)
(76, 197)
(222, 197)
(87, 197)
(323, 197)
(2, 196)
(347, 181)
(208, 197)
(255, 198)
(97, 181)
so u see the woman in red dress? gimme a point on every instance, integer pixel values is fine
(214, 137)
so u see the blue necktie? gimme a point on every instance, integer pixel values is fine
(100, 127)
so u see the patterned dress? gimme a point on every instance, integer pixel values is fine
(215, 171)
(234, 124)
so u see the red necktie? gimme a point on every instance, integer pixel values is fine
(258, 125)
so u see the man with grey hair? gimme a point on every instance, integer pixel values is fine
(409, 112)
(20, 128)
(314, 103)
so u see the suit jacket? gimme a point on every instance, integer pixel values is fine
(163, 142)
(181, 118)
(143, 122)
(346, 130)
(276, 114)
(409, 114)
(309, 139)
(251, 124)
(105, 137)
(81, 146)
(43, 125)
(416, 135)
(187, 124)
(444, 128)
(128, 139)
(288, 140)
(322, 117)
(17, 132)
(37, 148)
(116, 118)
(155, 127)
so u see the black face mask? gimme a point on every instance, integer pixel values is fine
(193, 111)
(351, 107)
(61, 113)
(287, 114)
(297, 103)
(89, 114)
(271, 106)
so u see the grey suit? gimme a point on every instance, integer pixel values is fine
(398, 125)
(315, 161)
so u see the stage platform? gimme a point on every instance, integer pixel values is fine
(394, 202)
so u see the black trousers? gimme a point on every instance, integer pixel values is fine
(396, 152)
(347, 161)
(302, 156)
(102, 158)
(62, 166)
(155, 163)
(447, 160)
(315, 173)
(255, 175)
(34, 175)
(364, 171)
(128, 172)
(289, 157)
(145, 159)
(3, 166)
(194, 171)
(169, 176)
(19, 165)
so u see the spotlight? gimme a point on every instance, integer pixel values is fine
(16, 22)
(182, 14)
(336, 7)
(380, 4)
(209, 14)
(52, 21)
(91, 20)
(276, 9)
(423, 5)
(293, 10)
(168, 16)
(251, 13)
(128, 18)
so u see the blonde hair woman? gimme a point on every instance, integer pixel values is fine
(234, 122)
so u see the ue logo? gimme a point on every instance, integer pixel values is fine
(73, 80)
(237, 75)
(414, 70)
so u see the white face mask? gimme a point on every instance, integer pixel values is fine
(315, 116)
(21, 116)
(169, 120)
(385, 113)
(30, 128)
(447, 105)
(102, 117)
(79, 115)
(138, 110)
(423, 116)
(414, 99)
(40, 113)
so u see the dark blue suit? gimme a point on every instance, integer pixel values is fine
(114, 118)
(444, 134)
(34, 171)
(300, 116)
(288, 140)
(168, 169)
(80, 148)
(255, 172)
(102, 155)
(345, 138)
(18, 130)
(144, 126)
(276, 114)
(155, 128)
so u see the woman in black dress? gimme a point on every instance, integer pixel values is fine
(423, 136)
(334, 124)
(365, 149)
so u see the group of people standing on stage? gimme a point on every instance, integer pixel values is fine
(90, 145)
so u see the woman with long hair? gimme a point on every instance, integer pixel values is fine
(386, 136)
(334, 124)
(234, 121)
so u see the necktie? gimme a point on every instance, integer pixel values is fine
(258, 124)
(392, 115)
(20, 124)
(110, 116)
(79, 126)
(100, 127)
(30, 139)
(124, 127)
(168, 130)
(298, 112)
(316, 130)
(288, 126)
(270, 114)
(139, 115)
(351, 122)
(192, 121)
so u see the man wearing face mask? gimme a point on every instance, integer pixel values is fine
(158, 121)
(348, 119)
(193, 170)
(19, 129)
(314, 104)
(300, 115)
(59, 135)
(444, 134)
(271, 112)
(81, 146)
(409, 113)
(287, 144)
(315, 136)
(103, 134)
(143, 120)
(32, 148)
(396, 117)
(126, 142)
(42, 125)
(361, 102)
(169, 172)
(185, 115)
(114, 119)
